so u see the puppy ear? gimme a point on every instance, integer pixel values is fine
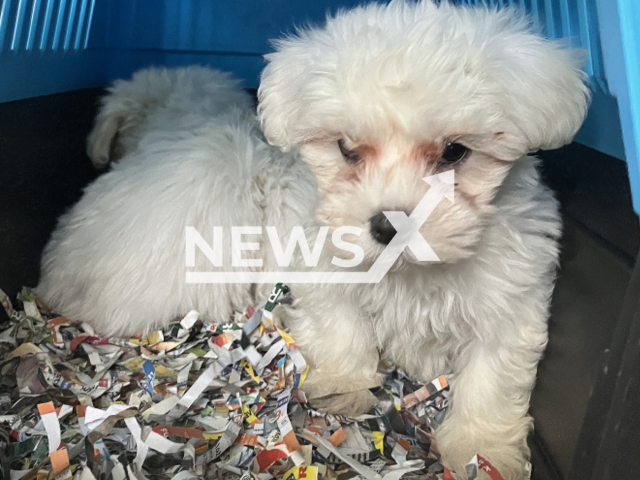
(283, 95)
(545, 86)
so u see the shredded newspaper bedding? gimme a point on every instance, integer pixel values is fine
(197, 400)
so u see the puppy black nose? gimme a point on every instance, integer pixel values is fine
(381, 229)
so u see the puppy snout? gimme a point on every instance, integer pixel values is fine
(381, 229)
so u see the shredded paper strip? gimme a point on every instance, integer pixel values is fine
(197, 400)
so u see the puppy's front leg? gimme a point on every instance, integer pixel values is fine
(340, 349)
(488, 416)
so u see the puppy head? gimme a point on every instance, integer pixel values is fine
(385, 95)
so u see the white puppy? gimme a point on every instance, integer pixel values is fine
(379, 98)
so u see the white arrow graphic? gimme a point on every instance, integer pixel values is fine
(407, 236)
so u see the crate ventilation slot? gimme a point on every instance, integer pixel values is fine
(45, 25)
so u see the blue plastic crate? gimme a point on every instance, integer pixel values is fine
(49, 46)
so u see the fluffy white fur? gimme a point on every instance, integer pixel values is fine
(156, 99)
(396, 83)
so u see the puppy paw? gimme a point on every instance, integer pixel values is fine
(458, 441)
(350, 404)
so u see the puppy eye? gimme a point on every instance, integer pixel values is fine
(454, 152)
(351, 156)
